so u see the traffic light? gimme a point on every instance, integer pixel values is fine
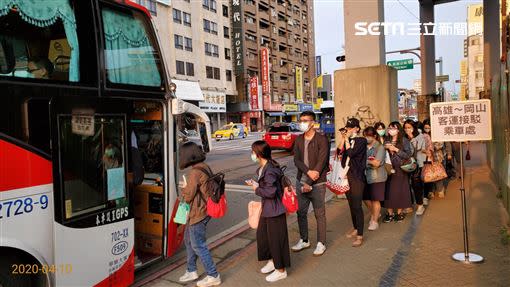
(340, 58)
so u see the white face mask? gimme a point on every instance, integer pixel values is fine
(393, 132)
(304, 126)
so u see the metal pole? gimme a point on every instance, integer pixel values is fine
(465, 257)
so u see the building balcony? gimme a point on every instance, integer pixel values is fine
(250, 8)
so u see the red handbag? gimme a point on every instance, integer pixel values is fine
(217, 210)
(289, 199)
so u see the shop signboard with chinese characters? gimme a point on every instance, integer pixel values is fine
(299, 84)
(264, 66)
(254, 93)
(461, 121)
(214, 102)
(305, 107)
(290, 108)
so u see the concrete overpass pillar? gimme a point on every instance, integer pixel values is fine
(428, 59)
(491, 45)
(366, 50)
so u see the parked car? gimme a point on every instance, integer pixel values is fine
(282, 136)
(231, 131)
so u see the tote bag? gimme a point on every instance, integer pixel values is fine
(433, 171)
(182, 213)
(337, 181)
(254, 211)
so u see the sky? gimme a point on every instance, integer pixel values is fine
(329, 36)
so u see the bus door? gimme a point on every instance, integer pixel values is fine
(94, 226)
(147, 179)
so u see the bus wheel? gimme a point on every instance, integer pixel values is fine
(231, 137)
(9, 264)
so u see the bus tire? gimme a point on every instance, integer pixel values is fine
(12, 257)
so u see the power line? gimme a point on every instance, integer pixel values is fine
(405, 7)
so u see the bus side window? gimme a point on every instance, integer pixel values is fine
(45, 48)
(92, 164)
(130, 56)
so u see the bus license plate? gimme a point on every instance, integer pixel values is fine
(274, 137)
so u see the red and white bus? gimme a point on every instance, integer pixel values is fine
(88, 144)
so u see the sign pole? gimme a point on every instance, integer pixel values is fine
(465, 257)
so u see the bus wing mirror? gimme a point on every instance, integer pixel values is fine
(7, 58)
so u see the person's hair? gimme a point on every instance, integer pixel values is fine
(420, 125)
(190, 154)
(43, 63)
(426, 122)
(307, 114)
(379, 125)
(371, 132)
(412, 124)
(400, 137)
(263, 150)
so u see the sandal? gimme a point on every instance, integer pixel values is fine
(358, 242)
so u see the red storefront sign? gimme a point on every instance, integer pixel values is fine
(254, 93)
(264, 64)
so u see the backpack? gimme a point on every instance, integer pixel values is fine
(215, 187)
(289, 197)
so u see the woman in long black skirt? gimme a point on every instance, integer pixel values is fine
(272, 236)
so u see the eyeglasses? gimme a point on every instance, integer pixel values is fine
(305, 121)
(33, 70)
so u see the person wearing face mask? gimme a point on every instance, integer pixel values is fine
(272, 234)
(376, 176)
(439, 153)
(421, 151)
(380, 127)
(311, 157)
(398, 196)
(355, 148)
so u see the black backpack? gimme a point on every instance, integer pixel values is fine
(215, 185)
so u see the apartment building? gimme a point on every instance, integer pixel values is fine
(273, 44)
(195, 36)
(475, 51)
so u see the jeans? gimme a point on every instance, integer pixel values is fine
(196, 246)
(418, 186)
(318, 198)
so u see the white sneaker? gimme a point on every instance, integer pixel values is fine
(420, 210)
(209, 281)
(189, 276)
(425, 201)
(319, 250)
(276, 275)
(300, 245)
(372, 225)
(269, 267)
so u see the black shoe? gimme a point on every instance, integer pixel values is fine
(388, 218)
(400, 217)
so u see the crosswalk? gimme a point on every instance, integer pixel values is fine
(236, 144)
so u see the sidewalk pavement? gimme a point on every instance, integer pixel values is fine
(416, 252)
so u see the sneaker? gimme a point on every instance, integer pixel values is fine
(388, 218)
(276, 275)
(408, 210)
(425, 201)
(319, 250)
(189, 276)
(209, 281)
(431, 195)
(440, 194)
(400, 217)
(420, 210)
(372, 225)
(269, 267)
(300, 246)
